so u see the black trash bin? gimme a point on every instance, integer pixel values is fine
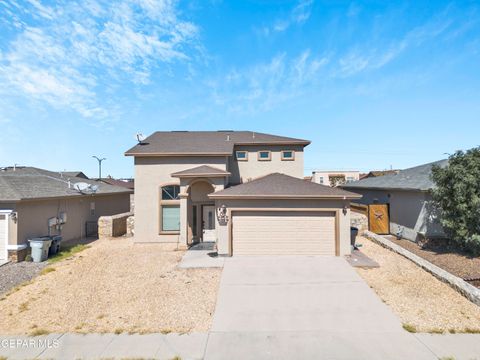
(353, 236)
(55, 247)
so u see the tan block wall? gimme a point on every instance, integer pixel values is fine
(113, 226)
(344, 220)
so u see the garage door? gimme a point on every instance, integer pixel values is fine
(3, 237)
(283, 233)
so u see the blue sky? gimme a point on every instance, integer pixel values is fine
(371, 84)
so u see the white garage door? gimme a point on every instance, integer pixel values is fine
(283, 233)
(3, 237)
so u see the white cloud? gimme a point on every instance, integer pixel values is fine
(298, 15)
(265, 85)
(368, 57)
(64, 53)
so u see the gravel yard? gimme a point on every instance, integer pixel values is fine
(420, 300)
(14, 274)
(454, 261)
(114, 286)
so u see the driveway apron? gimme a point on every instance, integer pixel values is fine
(309, 307)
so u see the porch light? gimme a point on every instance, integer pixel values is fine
(13, 215)
(222, 214)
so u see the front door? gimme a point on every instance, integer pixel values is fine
(208, 223)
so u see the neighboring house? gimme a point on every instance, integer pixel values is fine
(73, 174)
(378, 173)
(408, 195)
(126, 183)
(241, 189)
(334, 178)
(36, 202)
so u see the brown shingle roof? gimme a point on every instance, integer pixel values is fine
(205, 142)
(203, 170)
(283, 186)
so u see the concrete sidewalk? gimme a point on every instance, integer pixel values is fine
(104, 346)
(201, 255)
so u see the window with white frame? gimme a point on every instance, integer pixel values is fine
(288, 155)
(242, 155)
(320, 179)
(170, 209)
(264, 155)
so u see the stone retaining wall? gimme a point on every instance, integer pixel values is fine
(469, 291)
(359, 220)
(113, 226)
(130, 226)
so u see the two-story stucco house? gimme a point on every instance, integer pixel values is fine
(241, 189)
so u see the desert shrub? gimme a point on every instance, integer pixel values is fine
(457, 196)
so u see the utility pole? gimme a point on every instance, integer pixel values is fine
(99, 166)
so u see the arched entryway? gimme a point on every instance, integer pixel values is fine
(201, 212)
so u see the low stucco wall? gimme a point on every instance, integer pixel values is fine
(113, 226)
(328, 205)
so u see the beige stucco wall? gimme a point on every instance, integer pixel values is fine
(150, 174)
(344, 219)
(253, 168)
(33, 215)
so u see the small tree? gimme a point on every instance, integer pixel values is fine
(457, 196)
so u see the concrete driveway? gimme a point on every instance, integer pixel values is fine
(303, 307)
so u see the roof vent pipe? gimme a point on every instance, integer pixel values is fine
(228, 138)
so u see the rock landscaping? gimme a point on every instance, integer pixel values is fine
(455, 261)
(421, 301)
(114, 286)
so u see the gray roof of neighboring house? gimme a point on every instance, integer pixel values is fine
(278, 185)
(417, 178)
(28, 183)
(205, 142)
(203, 170)
(79, 174)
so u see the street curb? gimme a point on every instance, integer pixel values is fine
(469, 291)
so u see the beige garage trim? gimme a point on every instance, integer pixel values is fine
(284, 232)
(3, 236)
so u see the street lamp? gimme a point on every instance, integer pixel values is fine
(99, 166)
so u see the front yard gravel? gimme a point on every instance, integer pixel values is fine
(114, 286)
(418, 298)
(14, 274)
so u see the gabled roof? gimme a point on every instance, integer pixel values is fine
(417, 178)
(283, 186)
(28, 183)
(216, 143)
(130, 184)
(204, 170)
(78, 174)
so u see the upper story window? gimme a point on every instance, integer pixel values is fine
(288, 155)
(170, 192)
(264, 155)
(242, 155)
(320, 180)
(350, 178)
